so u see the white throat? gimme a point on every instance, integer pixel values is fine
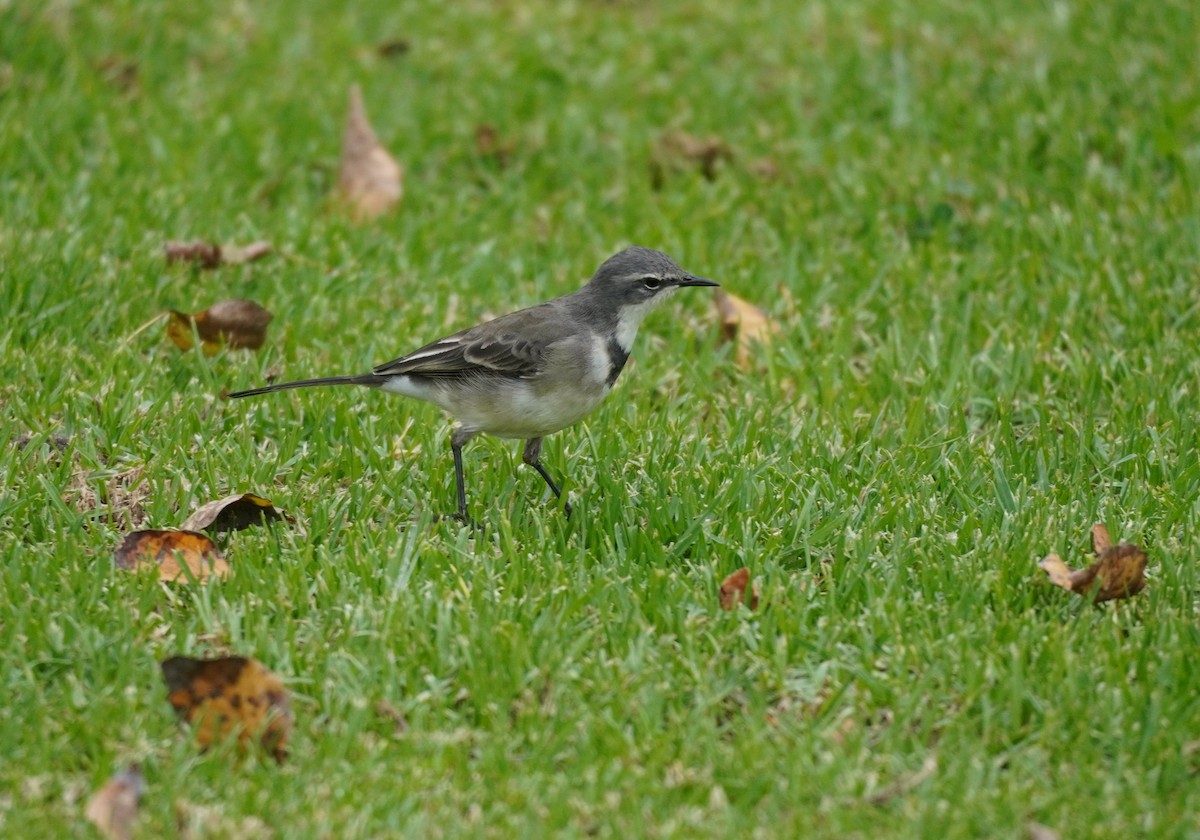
(629, 318)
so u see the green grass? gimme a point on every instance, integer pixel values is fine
(983, 248)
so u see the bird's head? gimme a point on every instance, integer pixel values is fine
(640, 278)
(630, 284)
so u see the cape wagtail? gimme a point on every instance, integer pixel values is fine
(530, 373)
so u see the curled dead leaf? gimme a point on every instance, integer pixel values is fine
(1119, 570)
(178, 555)
(114, 807)
(233, 513)
(370, 181)
(238, 323)
(230, 695)
(744, 323)
(210, 254)
(734, 588)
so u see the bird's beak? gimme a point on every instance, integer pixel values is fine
(693, 280)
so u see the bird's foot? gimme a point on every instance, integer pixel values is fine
(461, 518)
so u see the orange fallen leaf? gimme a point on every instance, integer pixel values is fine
(177, 554)
(114, 807)
(733, 591)
(211, 255)
(233, 513)
(744, 323)
(238, 323)
(227, 696)
(1119, 570)
(370, 182)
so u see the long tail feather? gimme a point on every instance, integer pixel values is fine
(368, 379)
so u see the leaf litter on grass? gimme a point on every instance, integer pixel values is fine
(370, 181)
(230, 695)
(744, 324)
(736, 589)
(1119, 570)
(114, 808)
(234, 513)
(236, 323)
(177, 555)
(211, 255)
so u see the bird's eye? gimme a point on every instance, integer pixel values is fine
(651, 283)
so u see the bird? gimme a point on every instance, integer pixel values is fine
(533, 372)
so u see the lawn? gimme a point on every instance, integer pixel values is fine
(976, 226)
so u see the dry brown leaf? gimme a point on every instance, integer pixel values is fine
(389, 712)
(1058, 571)
(238, 254)
(114, 807)
(904, 784)
(1037, 831)
(733, 591)
(238, 323)
(119, 500)
(1119, 570)
(744, 323)
(178, 555)
(203, 254)
(370, 182)
(227, 696)
(233, 513)
(704, 153)
(210, 254)
(489, 145)
(120, 71)
(393, 48)
(765, 168)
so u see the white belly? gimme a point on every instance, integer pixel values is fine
(515, 408)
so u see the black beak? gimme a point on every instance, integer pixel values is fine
(693, 280)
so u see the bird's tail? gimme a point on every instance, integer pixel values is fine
(368, 379)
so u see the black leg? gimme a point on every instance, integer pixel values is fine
(533, 457)
(457, 440)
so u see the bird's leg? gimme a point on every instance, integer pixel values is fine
(458, 438)
(533, 457)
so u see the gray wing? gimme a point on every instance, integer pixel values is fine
(514, 345)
